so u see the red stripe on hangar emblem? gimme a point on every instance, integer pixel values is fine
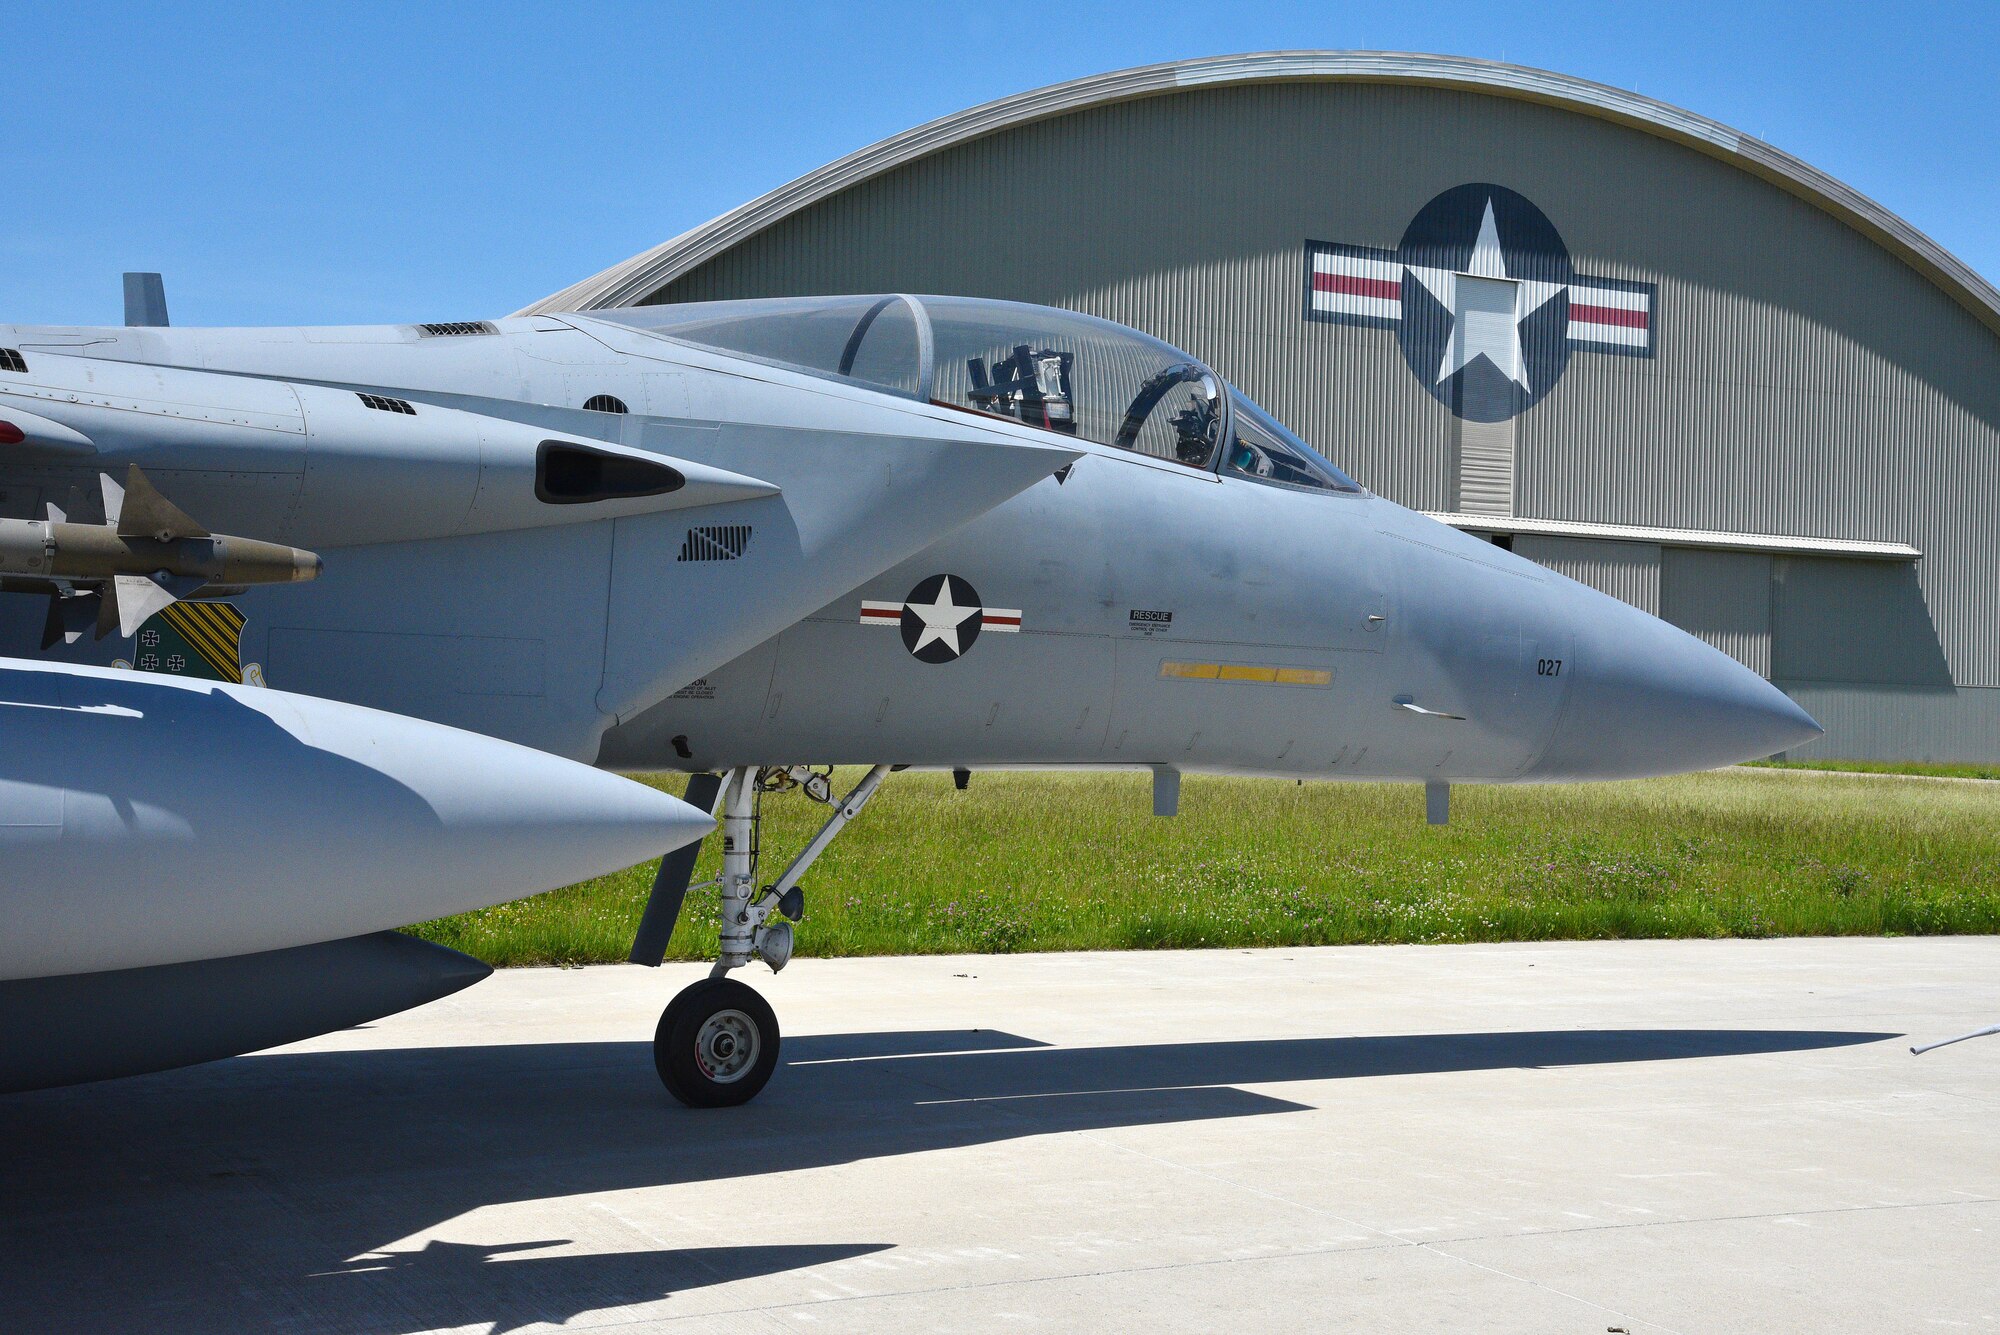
(941, 618)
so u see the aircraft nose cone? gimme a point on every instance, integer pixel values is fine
(1648, 698)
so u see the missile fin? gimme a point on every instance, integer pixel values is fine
(138, 598)
(114, 499)
(144, 513)
(68, 619)
(56, 515)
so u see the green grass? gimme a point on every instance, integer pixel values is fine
(1077, 862)
(1923, 768)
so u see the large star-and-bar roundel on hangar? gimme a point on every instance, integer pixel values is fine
(1483, 299)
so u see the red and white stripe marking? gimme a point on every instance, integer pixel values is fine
(1357, 285)
(1609, 317)
(891, 614)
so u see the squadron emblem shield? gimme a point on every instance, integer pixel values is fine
(941, 618)
(191, 639)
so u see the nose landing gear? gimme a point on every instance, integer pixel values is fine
(717, 1042)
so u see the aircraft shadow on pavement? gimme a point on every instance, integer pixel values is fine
(277, 1190)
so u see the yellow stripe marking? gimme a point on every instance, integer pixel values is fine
(202, 632)
(1252, 672)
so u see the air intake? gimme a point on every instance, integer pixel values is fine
(11, 360)
(604, 403)
(568, 474)
(387, 405)
(457, 329)
(721, 542)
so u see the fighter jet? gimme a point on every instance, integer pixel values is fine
(752, 540)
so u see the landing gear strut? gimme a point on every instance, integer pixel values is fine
(717, 1042)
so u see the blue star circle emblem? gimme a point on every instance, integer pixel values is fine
(1486, 282)
(1486, 304)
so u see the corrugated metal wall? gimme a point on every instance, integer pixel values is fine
(1853, 621)
(1486, 467)
(1806, 381)
(1627, 570)
(1898, 722)
(1723, 598)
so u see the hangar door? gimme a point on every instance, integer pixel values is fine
(1790, 618)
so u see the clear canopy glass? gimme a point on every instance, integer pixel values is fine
(1261, 447)
(874, 340)
(1052, 369)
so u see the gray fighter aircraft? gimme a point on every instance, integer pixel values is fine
(745, 539)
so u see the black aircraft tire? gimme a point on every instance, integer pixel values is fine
(716, 1045)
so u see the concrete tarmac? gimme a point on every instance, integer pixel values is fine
(1593, 1137)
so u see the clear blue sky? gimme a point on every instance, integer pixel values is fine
(321, 163)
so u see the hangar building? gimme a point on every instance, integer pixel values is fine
(1654, 353)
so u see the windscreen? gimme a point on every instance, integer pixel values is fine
(1262, 448)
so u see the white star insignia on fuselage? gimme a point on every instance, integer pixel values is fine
(1497, 340)
(943, 619)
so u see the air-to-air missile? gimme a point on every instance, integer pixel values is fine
(169, 842)
(146, 554)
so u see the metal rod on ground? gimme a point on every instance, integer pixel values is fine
(1947, 1042)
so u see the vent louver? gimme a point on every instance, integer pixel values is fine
(12, 360)
(720, 542)
(457, 329)
(387, 405)
(604, 403)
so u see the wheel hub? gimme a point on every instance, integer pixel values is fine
(726, 1046)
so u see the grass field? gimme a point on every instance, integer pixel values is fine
(1078, 862)
(1921, 768)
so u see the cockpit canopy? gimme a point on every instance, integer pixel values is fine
(1053, 369)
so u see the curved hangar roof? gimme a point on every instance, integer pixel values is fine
(641, 277)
